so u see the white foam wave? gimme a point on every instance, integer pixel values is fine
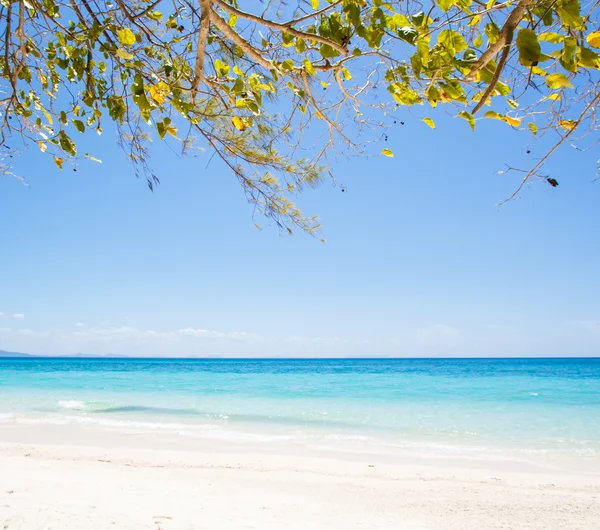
(71, 404)
(6, 417)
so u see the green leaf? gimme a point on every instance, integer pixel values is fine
(493, 32)
(408, 34)
(126, 36)
(512, 103)
(558, 81)
(124, 54)
(139, 94)
(287, 39)
(154, 15)
(429, 122)
(287, 65)
(66, 143)
(221, 68)
(309, 67)
(387, 152)
(346, 73)
(528, 46)
(452, 41)
(79, 125)
(469, 117)
(445, 5)
(327, 51)
(567, 59)
(554, 38)
(164, 127)
(532, 128)
(300, 45)
(493, 115)
(569, 13)
(588, 58)
(423, 51)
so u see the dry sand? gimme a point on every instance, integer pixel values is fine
(59, 478)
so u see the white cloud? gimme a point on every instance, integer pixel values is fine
(79, 325)
(128, 340)
(18, 315)
(1, 314)
(590, 325)
(441, 339)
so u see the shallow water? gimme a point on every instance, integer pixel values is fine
(448, 405)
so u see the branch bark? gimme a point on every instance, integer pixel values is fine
(504, 39)
(232, 35)
(287, 28)
(205, 16)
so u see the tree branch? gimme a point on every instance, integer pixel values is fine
(554, 148)
(205, 16)
(232, 35)
(501, 64)
(503, 40)
(287, 28)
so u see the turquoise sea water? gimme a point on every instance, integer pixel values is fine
(541, 405)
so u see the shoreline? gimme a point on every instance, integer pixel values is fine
(89, 478)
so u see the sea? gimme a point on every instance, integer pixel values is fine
(526, 407)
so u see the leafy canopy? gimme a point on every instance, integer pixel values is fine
(248, 79)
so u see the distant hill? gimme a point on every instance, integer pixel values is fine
(14, 354)
(4, 353)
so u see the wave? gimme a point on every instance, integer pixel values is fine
(317, 419)
(71, 404)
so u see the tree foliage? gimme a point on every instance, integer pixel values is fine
(271, 87)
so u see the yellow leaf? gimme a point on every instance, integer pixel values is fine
(47, 114)
(309, 67)
(347, 74)
(159, 92)
(567, 124)
(594, 39)
(43, 146)
(315, 4)
(126, 36)
(124, 54)
(554, 96)
(429, 122)
(94, 159)
(515, 122)
(59, 162)
(239, 123)
(387, 152)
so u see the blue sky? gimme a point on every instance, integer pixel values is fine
(419, 260)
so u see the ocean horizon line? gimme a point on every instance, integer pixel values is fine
(22, 356)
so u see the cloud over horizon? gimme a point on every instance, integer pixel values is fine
(441, 339)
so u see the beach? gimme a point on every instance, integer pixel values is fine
(86, 478)
(181, 444)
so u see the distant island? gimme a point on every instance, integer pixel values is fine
(4, 353)
(14, 354)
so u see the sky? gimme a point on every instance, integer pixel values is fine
(419, 259)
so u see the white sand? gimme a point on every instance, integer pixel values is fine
(89, 479)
